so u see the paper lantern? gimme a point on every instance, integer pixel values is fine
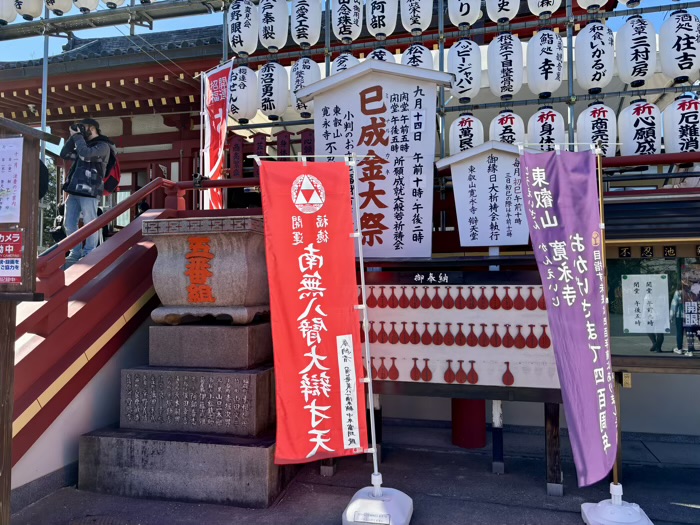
(416, 15)
(463, 13)
(29, 9)
(343, 62)
(464, 62)
(635, 50)
(8, 13)
(59, 7)
(679, 46)
(591, 5)
(381, 17)
(274, 24)
(306, 22)
(113, 4)
(382, 55)
(507, 127)
(347, 20)
(243, 27)
(243, 96)
(639, 126)
(305, 72)
(273, 86)
(418, 56)
(595, 124)
(546, 128)
(86, 6)
(501, 11)
(594, 57)
(682, 125)
(505, 65)
(545, 63)
(543, 8)
(631, 4)
(466, 132)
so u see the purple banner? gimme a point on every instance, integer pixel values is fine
(561, 202)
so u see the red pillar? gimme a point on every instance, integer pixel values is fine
(469, 423)
(284, 143)
(307, 141)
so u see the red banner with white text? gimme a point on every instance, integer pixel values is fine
(215, 128)
(315, 327)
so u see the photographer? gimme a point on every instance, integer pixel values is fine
(91, 153)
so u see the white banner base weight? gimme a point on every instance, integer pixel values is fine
(391, 507)
(614, 511)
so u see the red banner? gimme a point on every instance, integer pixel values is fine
(315, 327)
(215, 128)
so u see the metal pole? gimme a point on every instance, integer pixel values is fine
(44, 88)
(327, 37)
(224, 36)
(570, 68)
(441, 65)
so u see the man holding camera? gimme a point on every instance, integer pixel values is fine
(91, 153)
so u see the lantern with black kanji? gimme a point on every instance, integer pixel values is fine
(629, 4)
(505, 65)
(243, 96)
(417, 56)
(681, 121)
(306, 22)
(543, 8)
(243, 27)
(381, 17)
(591, 5)
(463, 13)
(305, 72)
(679, 46)
(29, 9)
(597, 125)
(382, 55)
(501, 11)
(545, 63)
(59, 7)
(273, 87)
(639, 127)
(594, 57)
(545, 129)
(274, 24)
(8, 13)
(466, 132)
(113, 4)
(635, 50)
(347, 20)
(507, 127)
(416, 15)
(464, 62)
(343, 62)
(86, 6)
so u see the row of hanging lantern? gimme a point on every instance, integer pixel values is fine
(639, 128)
(31, 9)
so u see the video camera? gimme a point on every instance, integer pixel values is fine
(80, 128)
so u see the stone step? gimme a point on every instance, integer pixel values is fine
(210, 346)
(235, 402)
(182, 466)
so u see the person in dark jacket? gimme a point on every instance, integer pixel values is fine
(91, 153)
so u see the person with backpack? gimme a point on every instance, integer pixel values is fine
(94, 157)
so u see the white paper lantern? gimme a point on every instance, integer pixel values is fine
(243, 27)
(59, 7)
(273, 86)
(86, 6)
(630, 4)
(8, 13)
(347, 20)
(464, 62)
(113, 4)
(466, 132)
(507, 127)
(635, 50)
(343, 62)
(591, 5)
(463, 13)
(546, 128)
(501, 11)
(594, 57)
(243, 96)
(382, 55)
(29, 9)
(416, 15)
(381, 17)
(306, 22)
(597, 123)
(639, 126)
(682, 125)
(543, 8)
(304, 73)
(417, 56)
(274, 24)
(505, 65)
(545, 63)
(679, 46)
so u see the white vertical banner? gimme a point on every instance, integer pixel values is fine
(645, 304)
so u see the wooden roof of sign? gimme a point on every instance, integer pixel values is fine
(488, 146)
(28, 131)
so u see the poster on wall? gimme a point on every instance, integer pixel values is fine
(10, 179)
(690, 278)
(11, 249)
(645, 305)
(385, 114)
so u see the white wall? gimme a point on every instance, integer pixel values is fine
(96, 406)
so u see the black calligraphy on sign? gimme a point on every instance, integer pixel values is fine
(645, 128)
(640, 50)
(688, 124)
(600, 129)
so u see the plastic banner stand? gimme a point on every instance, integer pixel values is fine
(614, 511)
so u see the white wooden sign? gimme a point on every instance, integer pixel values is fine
(645, 304)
